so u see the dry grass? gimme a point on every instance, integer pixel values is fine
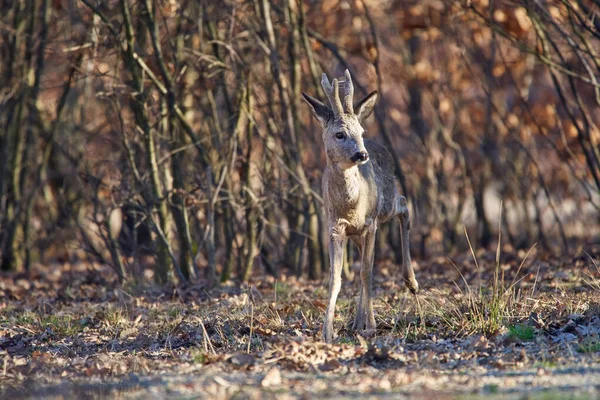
(482, 313)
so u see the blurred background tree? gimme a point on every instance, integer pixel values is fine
(167, 139)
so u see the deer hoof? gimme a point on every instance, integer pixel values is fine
(412, 285)
(364, 323)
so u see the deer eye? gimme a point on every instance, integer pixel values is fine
(340, 135)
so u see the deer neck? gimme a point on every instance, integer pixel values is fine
(346, 184)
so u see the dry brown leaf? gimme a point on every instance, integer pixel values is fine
(272, 378)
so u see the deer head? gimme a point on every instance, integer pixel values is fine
(342, 121)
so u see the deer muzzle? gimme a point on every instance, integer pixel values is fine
(360, 157)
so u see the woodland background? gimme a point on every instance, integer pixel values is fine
(168, 139)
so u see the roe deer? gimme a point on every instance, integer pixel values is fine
(359, 193)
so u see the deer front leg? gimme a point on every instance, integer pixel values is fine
(337, 243)
(365, 318)
(407, 270)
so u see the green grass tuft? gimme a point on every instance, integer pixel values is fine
(589, 347)
(521, 332)
(199, 357)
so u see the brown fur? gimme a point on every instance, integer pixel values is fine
(358, 193)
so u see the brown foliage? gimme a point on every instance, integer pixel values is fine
(184, 118)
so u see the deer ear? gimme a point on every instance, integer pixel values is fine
(364, 108)
(321, 112)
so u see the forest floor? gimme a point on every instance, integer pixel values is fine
(514, 328)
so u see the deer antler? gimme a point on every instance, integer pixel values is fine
(333, 94)
(348, 88)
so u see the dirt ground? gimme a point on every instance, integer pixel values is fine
(520, 325)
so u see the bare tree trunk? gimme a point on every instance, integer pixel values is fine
(163, 268)
(380, 110)
(315, 258)
(21, 144)
(244, 112)
(488, 147)
(211, 274)
(250, 212)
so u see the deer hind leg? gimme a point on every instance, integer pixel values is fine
(407, 270)
(337, 242)
(365, 318)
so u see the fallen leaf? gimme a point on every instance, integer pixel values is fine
(272, 378)
(330, 365)
(242, 359)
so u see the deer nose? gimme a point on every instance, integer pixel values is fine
(360, 156)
